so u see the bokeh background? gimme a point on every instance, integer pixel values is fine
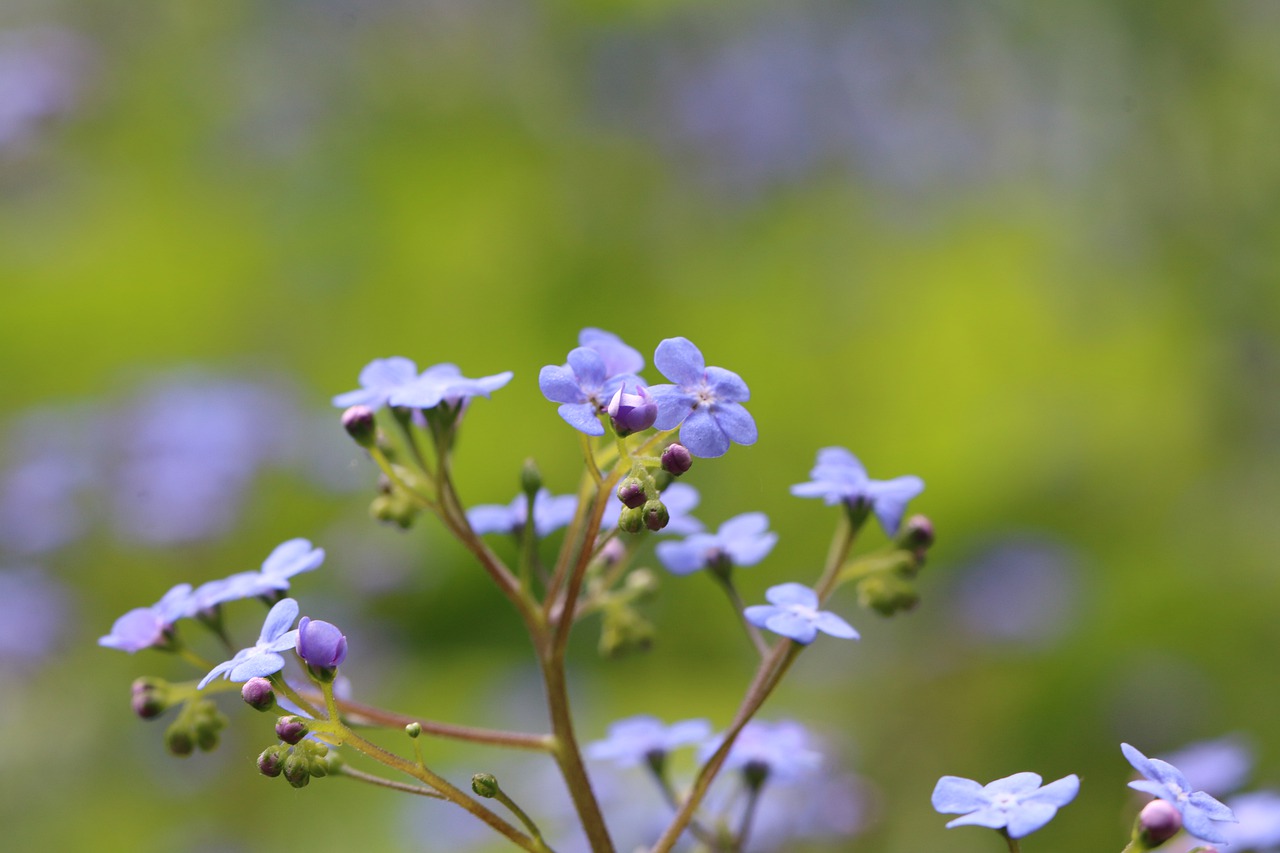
(1025, 251)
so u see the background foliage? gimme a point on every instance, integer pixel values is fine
(1026, 251)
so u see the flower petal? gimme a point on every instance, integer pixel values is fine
(759, 614)
(702, 435)
(278, 621)
(890, 499)
(674, 405)
(582, 417)
(830, 623)
(559, 385)
(727, 385)
(785, 594)
(957, 795)
(1027, 817)
(1057, 793)
(681, 362)
(793, 625)
(588, 366)
(1018, 783)
(680, 558)
(256, 666)
(736, 422)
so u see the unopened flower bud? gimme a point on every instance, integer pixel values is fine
(149, 697)
(257, 694)
(530, 478)
(754, 773)
(296, 771)
(631, 520)
(394, 509)
(291, 729)
(360, 424)
(676, 459)
(886, 594)
(322, 646)
(485, 785)
(632, 412)
(655, 515)
(631, 493)
(1158, 821)
(916, 534)
(414, 729)
(271, 761)
(179, 739)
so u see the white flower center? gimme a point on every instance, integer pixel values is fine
(1005, 801)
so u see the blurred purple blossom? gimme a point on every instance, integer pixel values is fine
(147, 627)
(785, 748)
(1218, 767)
(550, 513)
(743, 540)
(41, 73)
(34, 610)
(636, 740)
(1024, 589)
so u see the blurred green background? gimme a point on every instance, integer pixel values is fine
(1025, 251)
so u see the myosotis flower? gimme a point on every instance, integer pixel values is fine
(263, 658)
(743, 540)
(1017, 804)
(643, 738)
(839, 477)
(793, 612)
(1202, 815)
(705, 402)
(147, 627)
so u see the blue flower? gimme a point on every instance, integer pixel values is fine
(550, 513)
(619, 359)
(793, 612)
(584, 386)
(286, 560)
(705, 402)
(379, 379)
(1016, 804)
(444, 383)
(1202, 815)
(839, 477)
(146, 627)
(640, 739)
(783, 749)
(743, 540)
(321, 644)
(263, 658)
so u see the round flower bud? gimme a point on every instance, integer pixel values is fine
(530, 478)
(321, 645)
(676, 459)
(414, 729)
(271, 761)
(360, 424)
(296, 771)
(257, 694)
(149, 698)
(631, 493)
(631, 520)
(179, 739)
(291, 729)
(655, 515)
(485, 785)
(916, 534)
(632, 412)
(1158, 821)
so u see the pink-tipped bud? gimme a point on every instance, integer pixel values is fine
(360, 424)
(291, 729)
(1158, 821)
(257, 694)
(676, 459)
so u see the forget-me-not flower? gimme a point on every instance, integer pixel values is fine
(705, 402)
(793, 612)
(550, 513)
(784, 749)
(619, 358)
(285, 560)
(839, 477)
(1202, 815)
(145, 627)
(444, 383)
(379, 379)
(263, 658)
(584, 387)
(643, 738)
(1016, 804)
(743, 540)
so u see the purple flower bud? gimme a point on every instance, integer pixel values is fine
(149, 698)
(291, 729)
(631, 493)
(917, 534)
(360, 424)
(655, 515)
(321, 644)
(296, 770)
(257, 694)
(632, 412)
(271, 761)
(676, 459)
(1159, 821)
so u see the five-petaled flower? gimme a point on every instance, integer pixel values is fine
(395, 381)
(782, 750)
(839, 477)
(793, 612)
(585, 385)
(550, 513)
(263, 658)
(145, 627)
(1017, 804)
(743, 540)
(705, 402)
(1202, 815)
(287, 559)
(643, 738)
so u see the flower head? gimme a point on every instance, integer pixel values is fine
(619, 359)
(1016, 804)
(1202, 815)
(783, 749)
(320, 644)
(287, 559)
(705, 402)
(550, 513)
(793, 612)
(743, 540)
(839, 477)
(643, 738)
(263, 658)
(379, 380)
(146, 627)
(584, 386)
(444, 383)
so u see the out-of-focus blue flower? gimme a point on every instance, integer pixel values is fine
(743, 540)
(379, 379)
(550, 513)
(1202, 815)
(145, 627)
(1016, 804)
(1258, 813)
(263, 658)
(1023, 590)
(583, 387)
(705, 402)
(619, 359)
(444, 383)
(643, 738)
(784, 749)
(321, 644)
(40, 73)
(285, 560)
(33, 616)
(793, 612)
(1218, 767)
(839, 477)
(680, 499)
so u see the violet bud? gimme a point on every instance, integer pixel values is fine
(655, 515)
(271, 761)
(257, 694)
(632, 412)
(291, 729)
(149, 698)
(917, 534)
(676, 459)
(321, 645)
(631, 493)
(360, 424)
(1158, 821)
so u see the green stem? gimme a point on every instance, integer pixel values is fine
(1014, 846)
(501, 796)
(361, 776)
(278, 683)
(735, 600)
